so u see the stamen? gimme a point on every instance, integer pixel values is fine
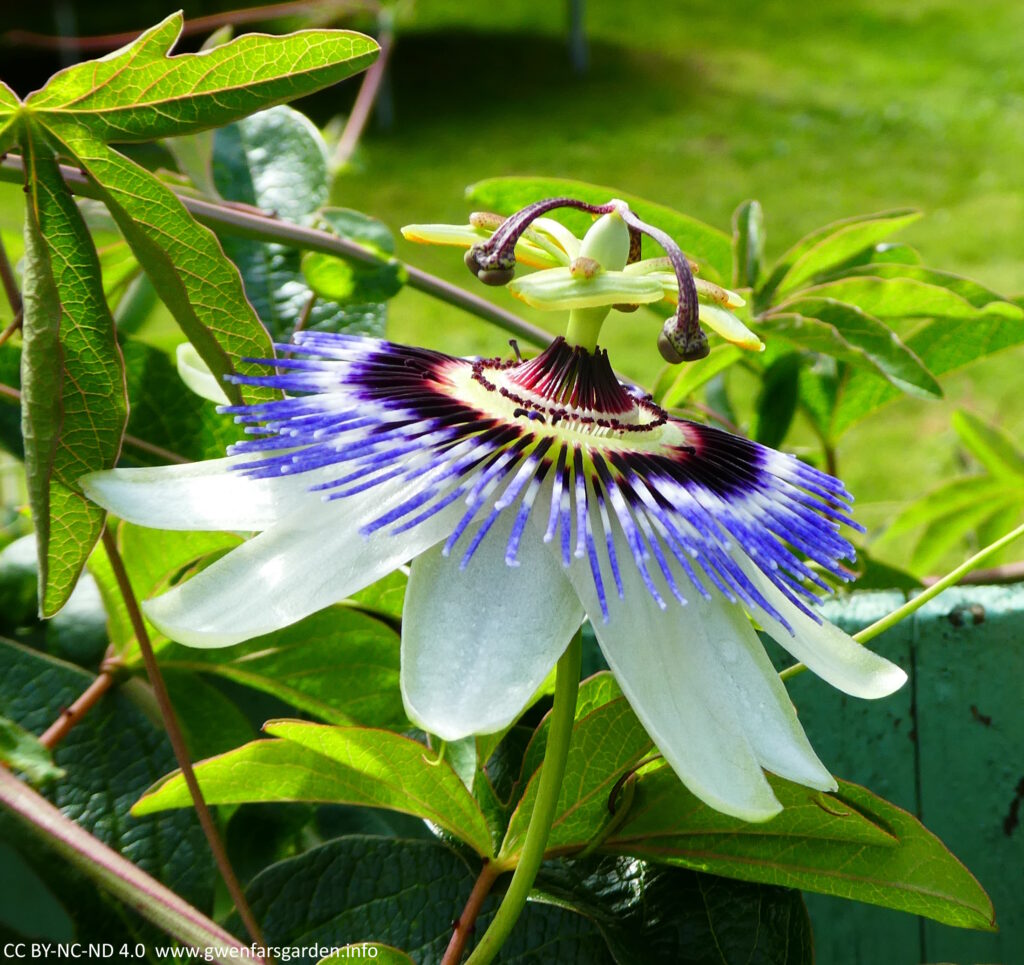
(682, 339)
(494, 261)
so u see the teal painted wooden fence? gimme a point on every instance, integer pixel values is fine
(950, 748)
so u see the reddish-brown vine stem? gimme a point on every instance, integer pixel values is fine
(163, 700)
(88, 699)
(463, 928)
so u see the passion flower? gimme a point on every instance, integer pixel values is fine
(529, 495)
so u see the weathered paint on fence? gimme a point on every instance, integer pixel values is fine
(950, 748)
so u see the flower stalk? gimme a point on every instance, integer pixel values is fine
(567, 683)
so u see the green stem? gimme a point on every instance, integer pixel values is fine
(567, 684)
(901, 613)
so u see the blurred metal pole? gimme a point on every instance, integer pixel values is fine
(579, 55)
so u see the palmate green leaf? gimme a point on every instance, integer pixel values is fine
(828, 247)
(894, 297)
(868, 850)
(74, 406)
(850, 335)
(184, 261)
(943, 345)
(140, 92)
(338, 765)
(277, 161)
(338, 664)
(652, 915)
(404, 894)
(977, 295)
(747, 245)
(605, 744)
(992, 447)
(708, 246)
(23, 752)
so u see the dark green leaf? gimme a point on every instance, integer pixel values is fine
(141, 92)
(777, 400)
(165, 414)
(704, 244)
(856, 846)
(19, 576)
(664, 916)
(343, 765)
(747, 244)
(405, 894)
(73, 390)
(210, 722)
(339, 664)
(27, 906)
(184, 261)
(850, 335)
(10, 411)
(23, 752)
(991, 446)
(277, 161)
(111, 756)
(829, 246)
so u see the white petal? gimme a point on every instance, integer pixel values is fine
(829, 652)
(767, 714)
(477, 643)
(196, 374)
(300, 565)
(208, 495)
(677, 684)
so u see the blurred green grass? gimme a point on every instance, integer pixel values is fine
(820, 111)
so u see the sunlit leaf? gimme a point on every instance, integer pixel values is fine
(850, 335)
(343, 765)
(73, 388)
(141, 92)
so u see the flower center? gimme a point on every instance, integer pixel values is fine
(566, 385)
